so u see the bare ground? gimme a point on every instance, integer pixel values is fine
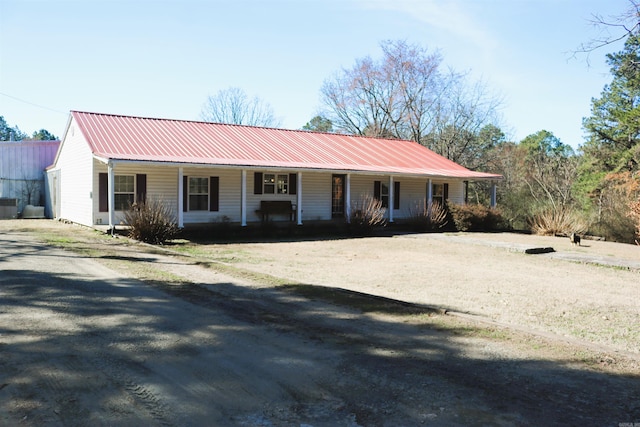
(317, 333)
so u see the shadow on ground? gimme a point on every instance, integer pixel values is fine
(76, 350)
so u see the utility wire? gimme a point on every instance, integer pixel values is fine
(34, 104)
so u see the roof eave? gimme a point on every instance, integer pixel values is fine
(478, 176)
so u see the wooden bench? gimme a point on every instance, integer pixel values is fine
(276, 207)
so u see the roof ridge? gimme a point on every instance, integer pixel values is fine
(129, 116)
(242, 126)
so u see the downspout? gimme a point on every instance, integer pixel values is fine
(299, 198)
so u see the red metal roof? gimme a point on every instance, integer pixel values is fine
(115, 137)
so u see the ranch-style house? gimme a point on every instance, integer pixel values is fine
(212, 172)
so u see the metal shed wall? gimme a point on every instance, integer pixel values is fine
(22, 166)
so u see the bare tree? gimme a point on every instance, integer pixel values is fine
(613, 28)
(456, 133)
(233, 106)
(406, 95)
(385, 98)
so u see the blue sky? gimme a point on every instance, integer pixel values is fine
(163, 58)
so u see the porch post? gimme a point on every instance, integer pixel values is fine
(111, 196)
(180, 199)
(243, 199)
(347, 199)
(391, 199)
(494, 199)
(299, 198)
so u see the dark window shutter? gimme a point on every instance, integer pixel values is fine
(376, 190)
(445, 191)
(257, 183)
(141, 188)
(466, 192)
(214, 193)
(293, 183)
(103, 190)
(396, 195)
(185, 193)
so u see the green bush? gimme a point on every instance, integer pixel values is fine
(425, 218)
(151, 222)
(366, 215)
(474, 217)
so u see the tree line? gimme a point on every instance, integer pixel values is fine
(548, 187)
(9, 133)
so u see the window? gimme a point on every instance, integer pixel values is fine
(381, 192)
(124, 191)
(384, 194)
(198, 194)
(283, 184)
(440, 193)
(123, 186)
(201, 193)
(271, 183)
(275, 183)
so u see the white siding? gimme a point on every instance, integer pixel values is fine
(413, 194)
(456, 192)
(75, 163)
(162, 184)
(253, 200)
(229, 201)
(413, 191)
(79, 192)
(316, 196)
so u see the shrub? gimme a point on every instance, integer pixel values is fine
(366, 214)
(151, 222)
(475, 217)
(635, 216)
(425, 218)
(550, 221)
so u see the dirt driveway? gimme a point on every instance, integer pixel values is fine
(83, 341)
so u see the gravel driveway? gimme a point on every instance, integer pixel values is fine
(83, 342)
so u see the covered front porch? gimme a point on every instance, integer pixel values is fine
(204, 194)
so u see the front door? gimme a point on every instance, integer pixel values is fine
(337, 196)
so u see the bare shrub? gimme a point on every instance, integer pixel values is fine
(366, 214)
(634, 214)
(549, 222)
(612, 201)
(427, 218)
(151, 222)
(475, 217)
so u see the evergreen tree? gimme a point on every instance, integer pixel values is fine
(614, 126)
(43, 135)
(8, 133)
(610, 173)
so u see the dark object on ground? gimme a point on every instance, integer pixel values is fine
(575, 239)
